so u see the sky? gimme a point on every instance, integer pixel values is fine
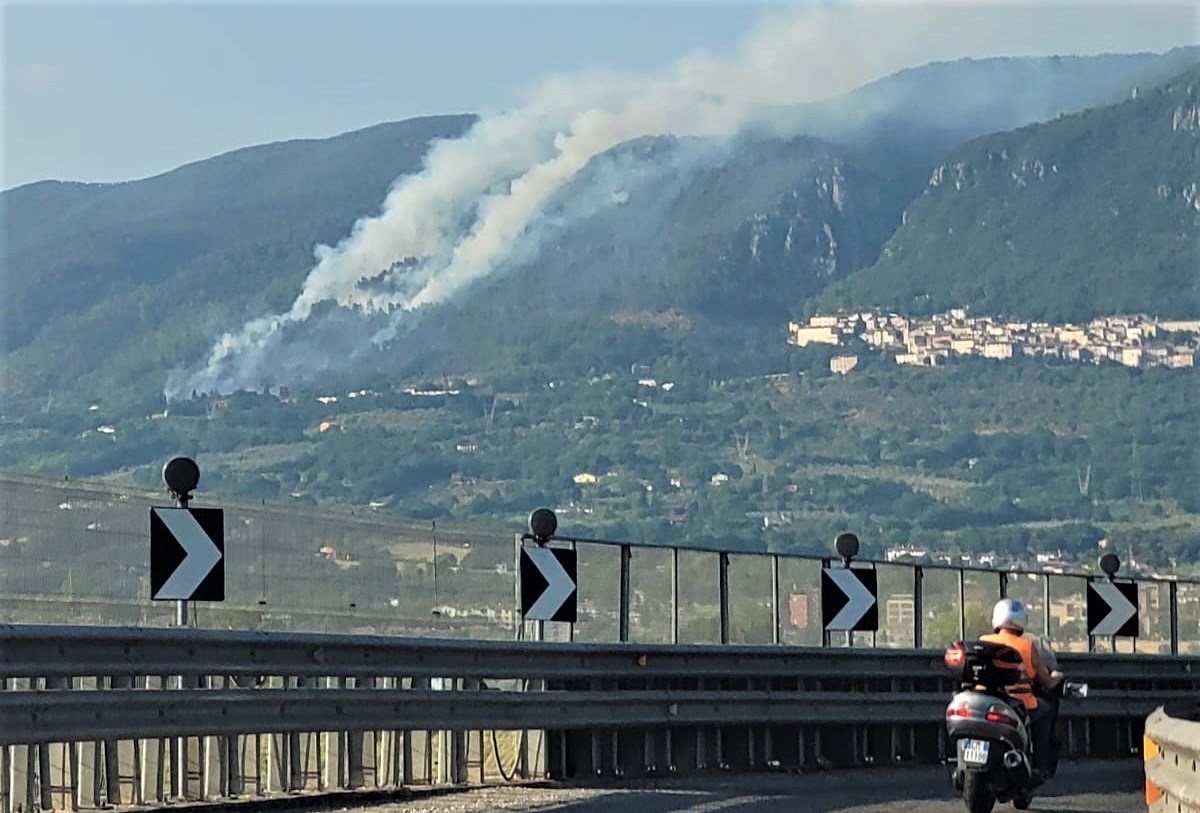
(115, 91)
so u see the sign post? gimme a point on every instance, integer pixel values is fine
(187, 563)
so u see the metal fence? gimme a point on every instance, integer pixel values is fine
(77, 553)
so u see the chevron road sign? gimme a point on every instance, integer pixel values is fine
(548, 584)
(849, 599)
(1112, 608)
(187, 554)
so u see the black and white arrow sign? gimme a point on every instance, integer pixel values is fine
(548, 585)
(1112, 608)
(187, 554)
(848, 599)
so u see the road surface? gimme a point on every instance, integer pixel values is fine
(1089, 787)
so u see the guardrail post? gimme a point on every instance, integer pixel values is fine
(294, 766)
(895, 729)
(801, 755)
(5, 775)
(623, 606)
(1003, 585)
(45, 775)
(406, 759)
(112, 756)
(31, 777)
(355, 775)
(723, 585)
(614, 752)
(597, 755)
(235, 777)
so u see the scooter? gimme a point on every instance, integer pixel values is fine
(990, 730)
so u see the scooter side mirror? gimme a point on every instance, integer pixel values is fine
(1075, 689)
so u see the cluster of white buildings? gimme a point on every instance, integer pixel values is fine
(1133, 340)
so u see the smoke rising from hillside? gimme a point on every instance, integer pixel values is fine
(478, 198)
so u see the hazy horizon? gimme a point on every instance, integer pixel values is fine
(114, 92)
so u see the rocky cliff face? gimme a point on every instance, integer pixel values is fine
(831, 223)
(748, 231)
(1088, 214)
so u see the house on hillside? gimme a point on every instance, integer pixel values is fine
(843, 364)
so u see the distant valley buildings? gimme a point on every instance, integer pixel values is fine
(1132, 340)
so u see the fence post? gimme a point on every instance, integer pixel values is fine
(918, 607)
(674, 595)
(623, 609)
(776, 629)
(962, 604)
(1173, 602)
(820, 603)
(723, 584)
(1046, 606)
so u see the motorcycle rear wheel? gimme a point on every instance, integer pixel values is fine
(978, 797)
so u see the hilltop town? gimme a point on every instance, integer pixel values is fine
(1132, 340)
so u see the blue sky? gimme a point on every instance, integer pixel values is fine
(103, 92)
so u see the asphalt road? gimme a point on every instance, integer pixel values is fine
(1089, 787)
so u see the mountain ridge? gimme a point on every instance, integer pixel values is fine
(1091, 213)
(110, 287)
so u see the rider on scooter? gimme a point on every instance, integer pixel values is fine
(1009, 618)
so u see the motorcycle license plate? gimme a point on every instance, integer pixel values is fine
(975, 752)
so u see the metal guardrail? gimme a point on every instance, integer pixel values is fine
(40, 716)
(95, 716)
(1172, 755)
(63, 651)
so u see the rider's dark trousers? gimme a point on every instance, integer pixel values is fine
(1041, 721)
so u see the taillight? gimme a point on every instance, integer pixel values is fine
(961, 711)
(1001, 714)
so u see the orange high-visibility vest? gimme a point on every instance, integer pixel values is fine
(1023, 689)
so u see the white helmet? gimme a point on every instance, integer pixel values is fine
(1010, 613)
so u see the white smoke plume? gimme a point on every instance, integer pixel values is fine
(477, 196)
